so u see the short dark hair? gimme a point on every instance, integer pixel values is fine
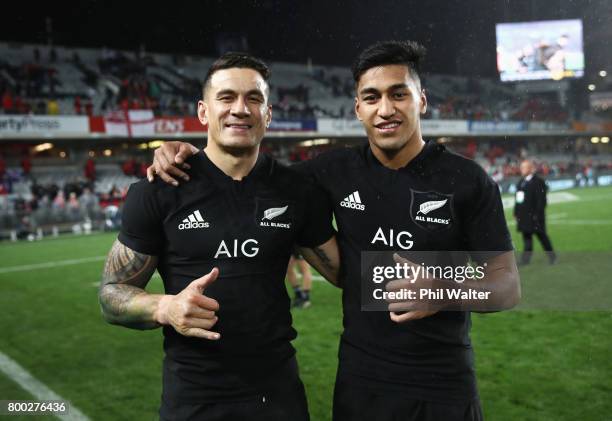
(240, 60)
(408, 53)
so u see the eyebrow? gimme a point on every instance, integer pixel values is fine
(232, 92)
(375, 91)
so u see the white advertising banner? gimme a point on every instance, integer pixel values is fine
(444, 127)
(340, 127)
(330, 126)
(46, 126)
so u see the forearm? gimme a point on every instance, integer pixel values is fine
(498, 290)
(122, 296)
(130, 306)
(325, 259)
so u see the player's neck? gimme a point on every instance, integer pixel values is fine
(236, 164)
(399, 158)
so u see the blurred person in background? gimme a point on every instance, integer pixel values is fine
(529, 211)
(26, 164)
(2, 167)
(90, 170)
(52, 107)
(89, 203)
(297, 264)
(73, 206)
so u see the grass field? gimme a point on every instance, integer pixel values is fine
(532, 364)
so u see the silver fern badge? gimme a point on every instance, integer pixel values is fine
(274, 212)
(427, 207)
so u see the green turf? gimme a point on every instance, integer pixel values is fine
(532, 365)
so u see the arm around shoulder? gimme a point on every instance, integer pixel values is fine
(325, 258)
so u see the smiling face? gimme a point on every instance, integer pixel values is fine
(235, 108)
(389, 103)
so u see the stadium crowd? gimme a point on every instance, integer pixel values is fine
(61, 203)
(137, 80)
(86, 198)
(111, 80)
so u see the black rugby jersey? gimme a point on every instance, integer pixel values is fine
(376, 209)
(247, 229)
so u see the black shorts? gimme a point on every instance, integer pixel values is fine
(355, 403)
(282, 399)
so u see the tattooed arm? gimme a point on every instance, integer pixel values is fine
(122, 296)
(125, 302)
(325, 259)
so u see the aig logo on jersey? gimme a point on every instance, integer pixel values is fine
(274, 215)
(431, 210)
(353, 201)
(193, 221)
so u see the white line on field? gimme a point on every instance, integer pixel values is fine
(582, 222)
(597, 197)
(37, 389)
(553, 199)
(575, 222)
(47, 265)
(557, 215)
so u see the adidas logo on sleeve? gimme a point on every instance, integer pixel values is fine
(194, 220)
(353, 201)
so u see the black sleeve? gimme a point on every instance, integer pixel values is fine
(515, 207)
(485, 223)
(141, 222)
(542, 190)
(317, 170)
(317, 227)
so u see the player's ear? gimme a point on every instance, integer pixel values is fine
(357, 109)
(203, 112)
(268, 116)
(423, 102)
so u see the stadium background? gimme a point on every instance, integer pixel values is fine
(89, 89)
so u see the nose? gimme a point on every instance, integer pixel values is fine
(240, 108)
(386, 108)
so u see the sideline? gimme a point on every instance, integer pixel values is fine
(36, 388)
(46, 265)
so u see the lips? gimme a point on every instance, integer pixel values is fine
(237, 126)
(388, 126)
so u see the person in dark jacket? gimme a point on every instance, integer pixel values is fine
(529, 211)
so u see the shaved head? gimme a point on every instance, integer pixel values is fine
(527, 167)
